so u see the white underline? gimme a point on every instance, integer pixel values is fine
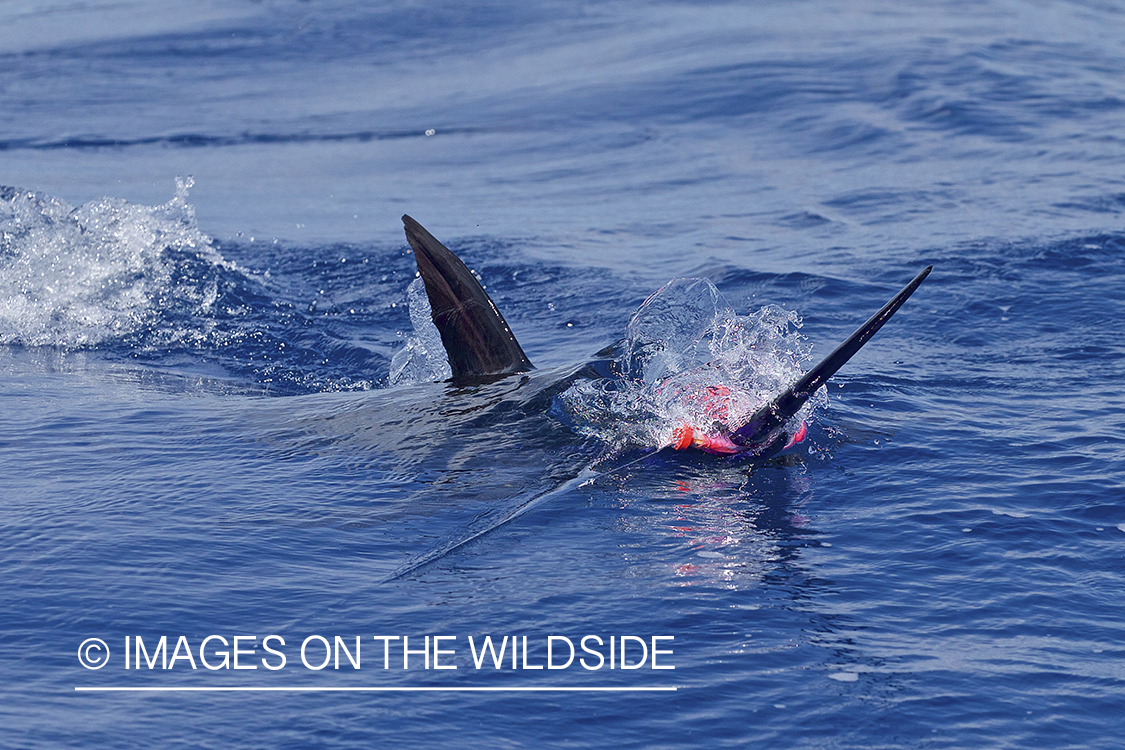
(252, 689)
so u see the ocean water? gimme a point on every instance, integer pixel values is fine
(204, 281)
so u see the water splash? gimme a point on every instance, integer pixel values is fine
(423, 359)
(689, 359)
(144, 284)
(77, 277)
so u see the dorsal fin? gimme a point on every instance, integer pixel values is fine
(762, 428)
(476, 337)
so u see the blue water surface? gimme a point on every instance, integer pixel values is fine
(197, 436)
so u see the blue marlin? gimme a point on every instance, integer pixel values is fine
(494, 383)
(482, 348)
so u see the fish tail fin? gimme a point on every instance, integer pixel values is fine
(761, 431)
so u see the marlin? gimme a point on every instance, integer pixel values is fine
(496, 391)
(481, 349)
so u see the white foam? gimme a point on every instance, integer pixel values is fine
(75, 277)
